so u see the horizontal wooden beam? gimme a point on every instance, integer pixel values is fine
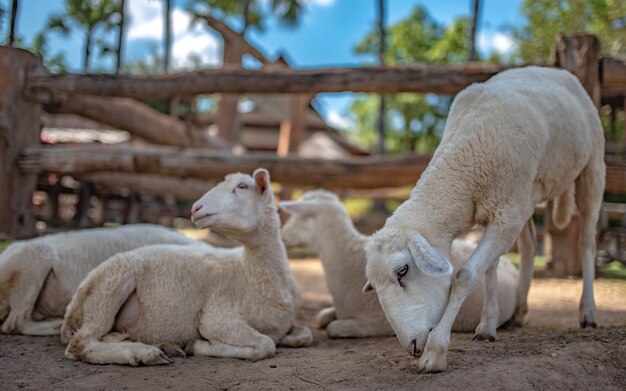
(423, 78)
(387, 171)
(356, 173)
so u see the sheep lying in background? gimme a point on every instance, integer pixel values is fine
(320, 220)
(39, 276)
(220, 303)
(525, 136)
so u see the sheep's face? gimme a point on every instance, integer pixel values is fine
(235, 205)
(412, 281)
(304, 216)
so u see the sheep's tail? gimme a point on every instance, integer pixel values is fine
(564, 208)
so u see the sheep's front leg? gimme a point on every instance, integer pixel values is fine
(486, 330)
(325, 316)
(298, 337)
(355, 328)
(231, 338)
(44, 327)
(128, 353)
(495, 241)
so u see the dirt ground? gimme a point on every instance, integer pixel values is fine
(548, 353)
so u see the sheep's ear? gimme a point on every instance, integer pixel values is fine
(368, 287)
(262, 178)
(300, 208)
(426, 258)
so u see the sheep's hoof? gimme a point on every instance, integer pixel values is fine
(510, 325)
(431, 364)
(484, 337)
(585, 324)
(158, 359)
(172, 350)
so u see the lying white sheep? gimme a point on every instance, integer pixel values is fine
(525, 136)
(221, 303)
(39, 276)
(320, 220)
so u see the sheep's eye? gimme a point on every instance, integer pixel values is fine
(242, 186)
(401, 272)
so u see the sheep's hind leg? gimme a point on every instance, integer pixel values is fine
(486, 330)
(26, 286)
(232, 338)
(527, 247)
(128, 353)
(325, 316)
(589, 191)
(298, 337)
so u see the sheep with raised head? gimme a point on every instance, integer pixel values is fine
(525, 136)
(39, 276)
(220, 303)
(319, 220)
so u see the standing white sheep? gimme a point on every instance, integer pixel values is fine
(525, 136)
(39, 276)
(220, 303)
(320, 221)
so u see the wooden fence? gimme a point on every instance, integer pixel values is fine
(26, 88)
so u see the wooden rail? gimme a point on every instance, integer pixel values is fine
(435, 78)
(355, 173)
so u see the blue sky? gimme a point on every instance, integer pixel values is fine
(325, 36)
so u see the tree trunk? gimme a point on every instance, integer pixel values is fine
(578, 54)
(120, 39)
(19, 128)
(474, 26)
(167, 18)
(14, 8)
(382, 37)
(445, 79)
(87, 49)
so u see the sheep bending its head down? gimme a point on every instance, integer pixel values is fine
(525, 136)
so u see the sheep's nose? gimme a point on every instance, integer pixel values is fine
(196, 208)
(416, 352)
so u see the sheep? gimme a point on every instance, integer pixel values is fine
(320, 221)
(39, 276)
(223, 303)
(525, 136)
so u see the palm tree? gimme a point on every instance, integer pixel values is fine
(251, 11)
(14, 8)
(85, 14)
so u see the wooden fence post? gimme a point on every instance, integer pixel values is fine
(19, 128)
(578, 54)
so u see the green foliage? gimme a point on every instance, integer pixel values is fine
(85, 15)
(547, 18)
(413, 122)
(613, 270)
(252, 13)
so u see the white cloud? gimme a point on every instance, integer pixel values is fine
(339, 121)
(198, 41)
(502, 43)
(321, 3)
(495, 42)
